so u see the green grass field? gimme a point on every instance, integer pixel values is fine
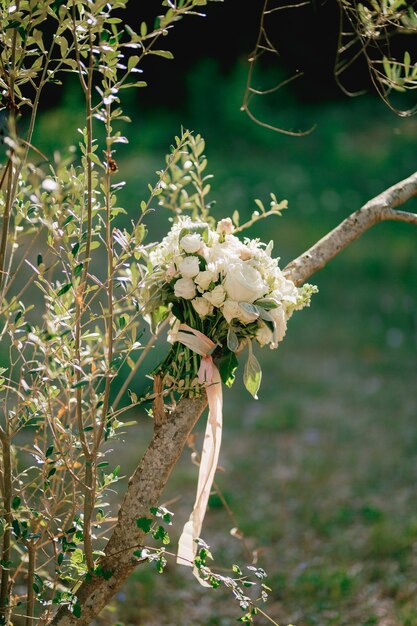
(321, 471)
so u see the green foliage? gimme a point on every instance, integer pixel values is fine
(60, 247)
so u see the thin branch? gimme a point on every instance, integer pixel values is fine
(379, 209)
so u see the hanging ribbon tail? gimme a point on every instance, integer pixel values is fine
(210, 375)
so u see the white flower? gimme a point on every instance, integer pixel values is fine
(202, 306)
(284, 288)
(191, 243)
(245, 253)
(280, 324)
(185, 288)
(203, 279)
(244, 283)
(171, 272)
(224, 253)
(49, 184)
(264, 335)
(189, 267)
(225, 226)
(217, 296)
(231, 310)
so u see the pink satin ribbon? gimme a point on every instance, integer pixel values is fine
(209, 375)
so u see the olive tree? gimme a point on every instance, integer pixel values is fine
(70, 318)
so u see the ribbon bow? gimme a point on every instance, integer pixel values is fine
(209, 375)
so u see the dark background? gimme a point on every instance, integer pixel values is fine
(306, 38)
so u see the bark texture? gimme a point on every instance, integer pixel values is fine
(143, 492)
(380, 208)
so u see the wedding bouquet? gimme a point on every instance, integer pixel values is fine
(228, 290)
(222, 294)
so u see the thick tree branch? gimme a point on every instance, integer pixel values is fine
(143, 492)
(378, 209)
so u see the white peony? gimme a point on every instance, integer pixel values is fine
(191, 243)
(244, 283)
(189, 267)
(185, 288)
(202, 306)
(203, 279)
(217, 296)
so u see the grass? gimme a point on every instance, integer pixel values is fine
(320, 472)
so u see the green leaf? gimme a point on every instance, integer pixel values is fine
(133, 61)
(227, 364)
(16, 503)
(76, 610)
(267, 304)
(144, 523)
(260, 204)
(166, 54)
(232, 340)
(64, 289)
(81, 383)
(252, 374)
(407, 61)
(249, 308)
(75, 248)
(264, 315)
(161, 533)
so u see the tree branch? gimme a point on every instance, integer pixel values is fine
(149, 480)
(143, 492)
(378, 209)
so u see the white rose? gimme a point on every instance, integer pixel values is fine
(191, 243)
(217, 296)
(225, 226)
(244, 283)
(264, 335)
(203, 279)
(231, 310)
(189, 267)
(185, 288)
(202, 306)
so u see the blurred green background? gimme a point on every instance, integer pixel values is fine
(321, 472)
